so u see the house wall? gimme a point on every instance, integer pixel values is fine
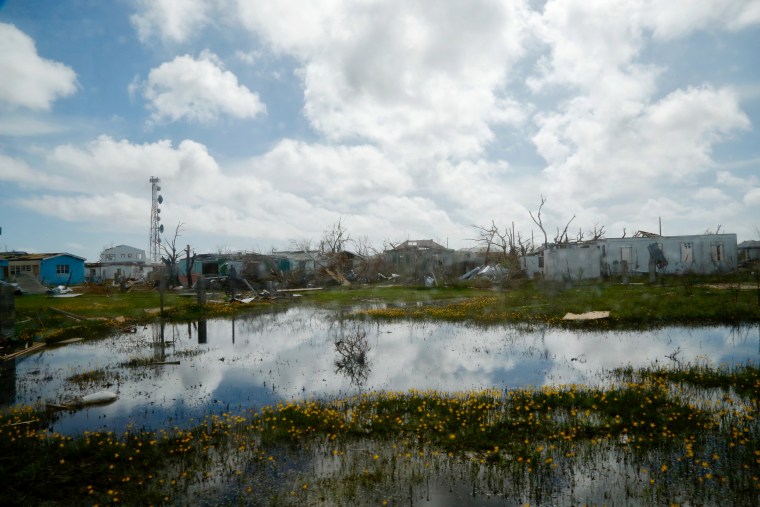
(420, 261)
(575, 263)
(61, 269)
(109, 271)
(31, 266)
(532, 265)
(704, 254)
(749, 253)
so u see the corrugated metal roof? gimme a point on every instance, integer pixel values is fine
(16, 256)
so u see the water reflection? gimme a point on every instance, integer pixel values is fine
(307, 353)
(353, 361)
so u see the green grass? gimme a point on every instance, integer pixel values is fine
(630, 306)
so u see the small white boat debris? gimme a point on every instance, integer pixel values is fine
(98, 398)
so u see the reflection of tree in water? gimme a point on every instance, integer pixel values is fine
(353, 360)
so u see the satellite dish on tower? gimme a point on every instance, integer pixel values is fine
(161, 228)
(160, 198)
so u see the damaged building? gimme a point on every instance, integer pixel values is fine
(697, 254)
(419, 258)
(48, 269)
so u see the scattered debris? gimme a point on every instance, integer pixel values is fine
(67, 314)
(60, 291)
(70, 340)
(495, 272)
(587, 315)
(28, 350)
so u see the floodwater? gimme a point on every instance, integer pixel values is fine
(304, 353)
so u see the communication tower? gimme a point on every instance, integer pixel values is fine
(156, 228)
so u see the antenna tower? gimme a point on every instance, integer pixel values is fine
(156, 229)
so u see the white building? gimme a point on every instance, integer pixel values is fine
(117, 262)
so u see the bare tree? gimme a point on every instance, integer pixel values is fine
(171, 257)
(489, 237)
(597, 232)
(508, 245)
(562, 237)
(329, 256)
(539, 222)
(370, 260)
(335, 238)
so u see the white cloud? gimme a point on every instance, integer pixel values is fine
(414, 78)
(657, 152)
(677, 19)
(172, 20)
(105, 162)
(612, 138)
(711, 195)
(116, 208)
(29, 80)
(752, 198)
(18, 171)
(199, 90)
(340, 177)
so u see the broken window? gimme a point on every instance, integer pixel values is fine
(21, 268)
(61, 269)
(717, 253)
(626, 254)
(687, 252)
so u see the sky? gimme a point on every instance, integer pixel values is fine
(270, 121)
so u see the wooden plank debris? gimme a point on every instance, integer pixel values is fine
(68, 314)
(28, 350)
(587, 315)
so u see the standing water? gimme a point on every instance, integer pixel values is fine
(174, 374)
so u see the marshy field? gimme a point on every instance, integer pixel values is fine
(389, 396)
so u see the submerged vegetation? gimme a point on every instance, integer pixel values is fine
(688, 436)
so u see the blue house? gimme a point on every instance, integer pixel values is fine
(48, 268)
